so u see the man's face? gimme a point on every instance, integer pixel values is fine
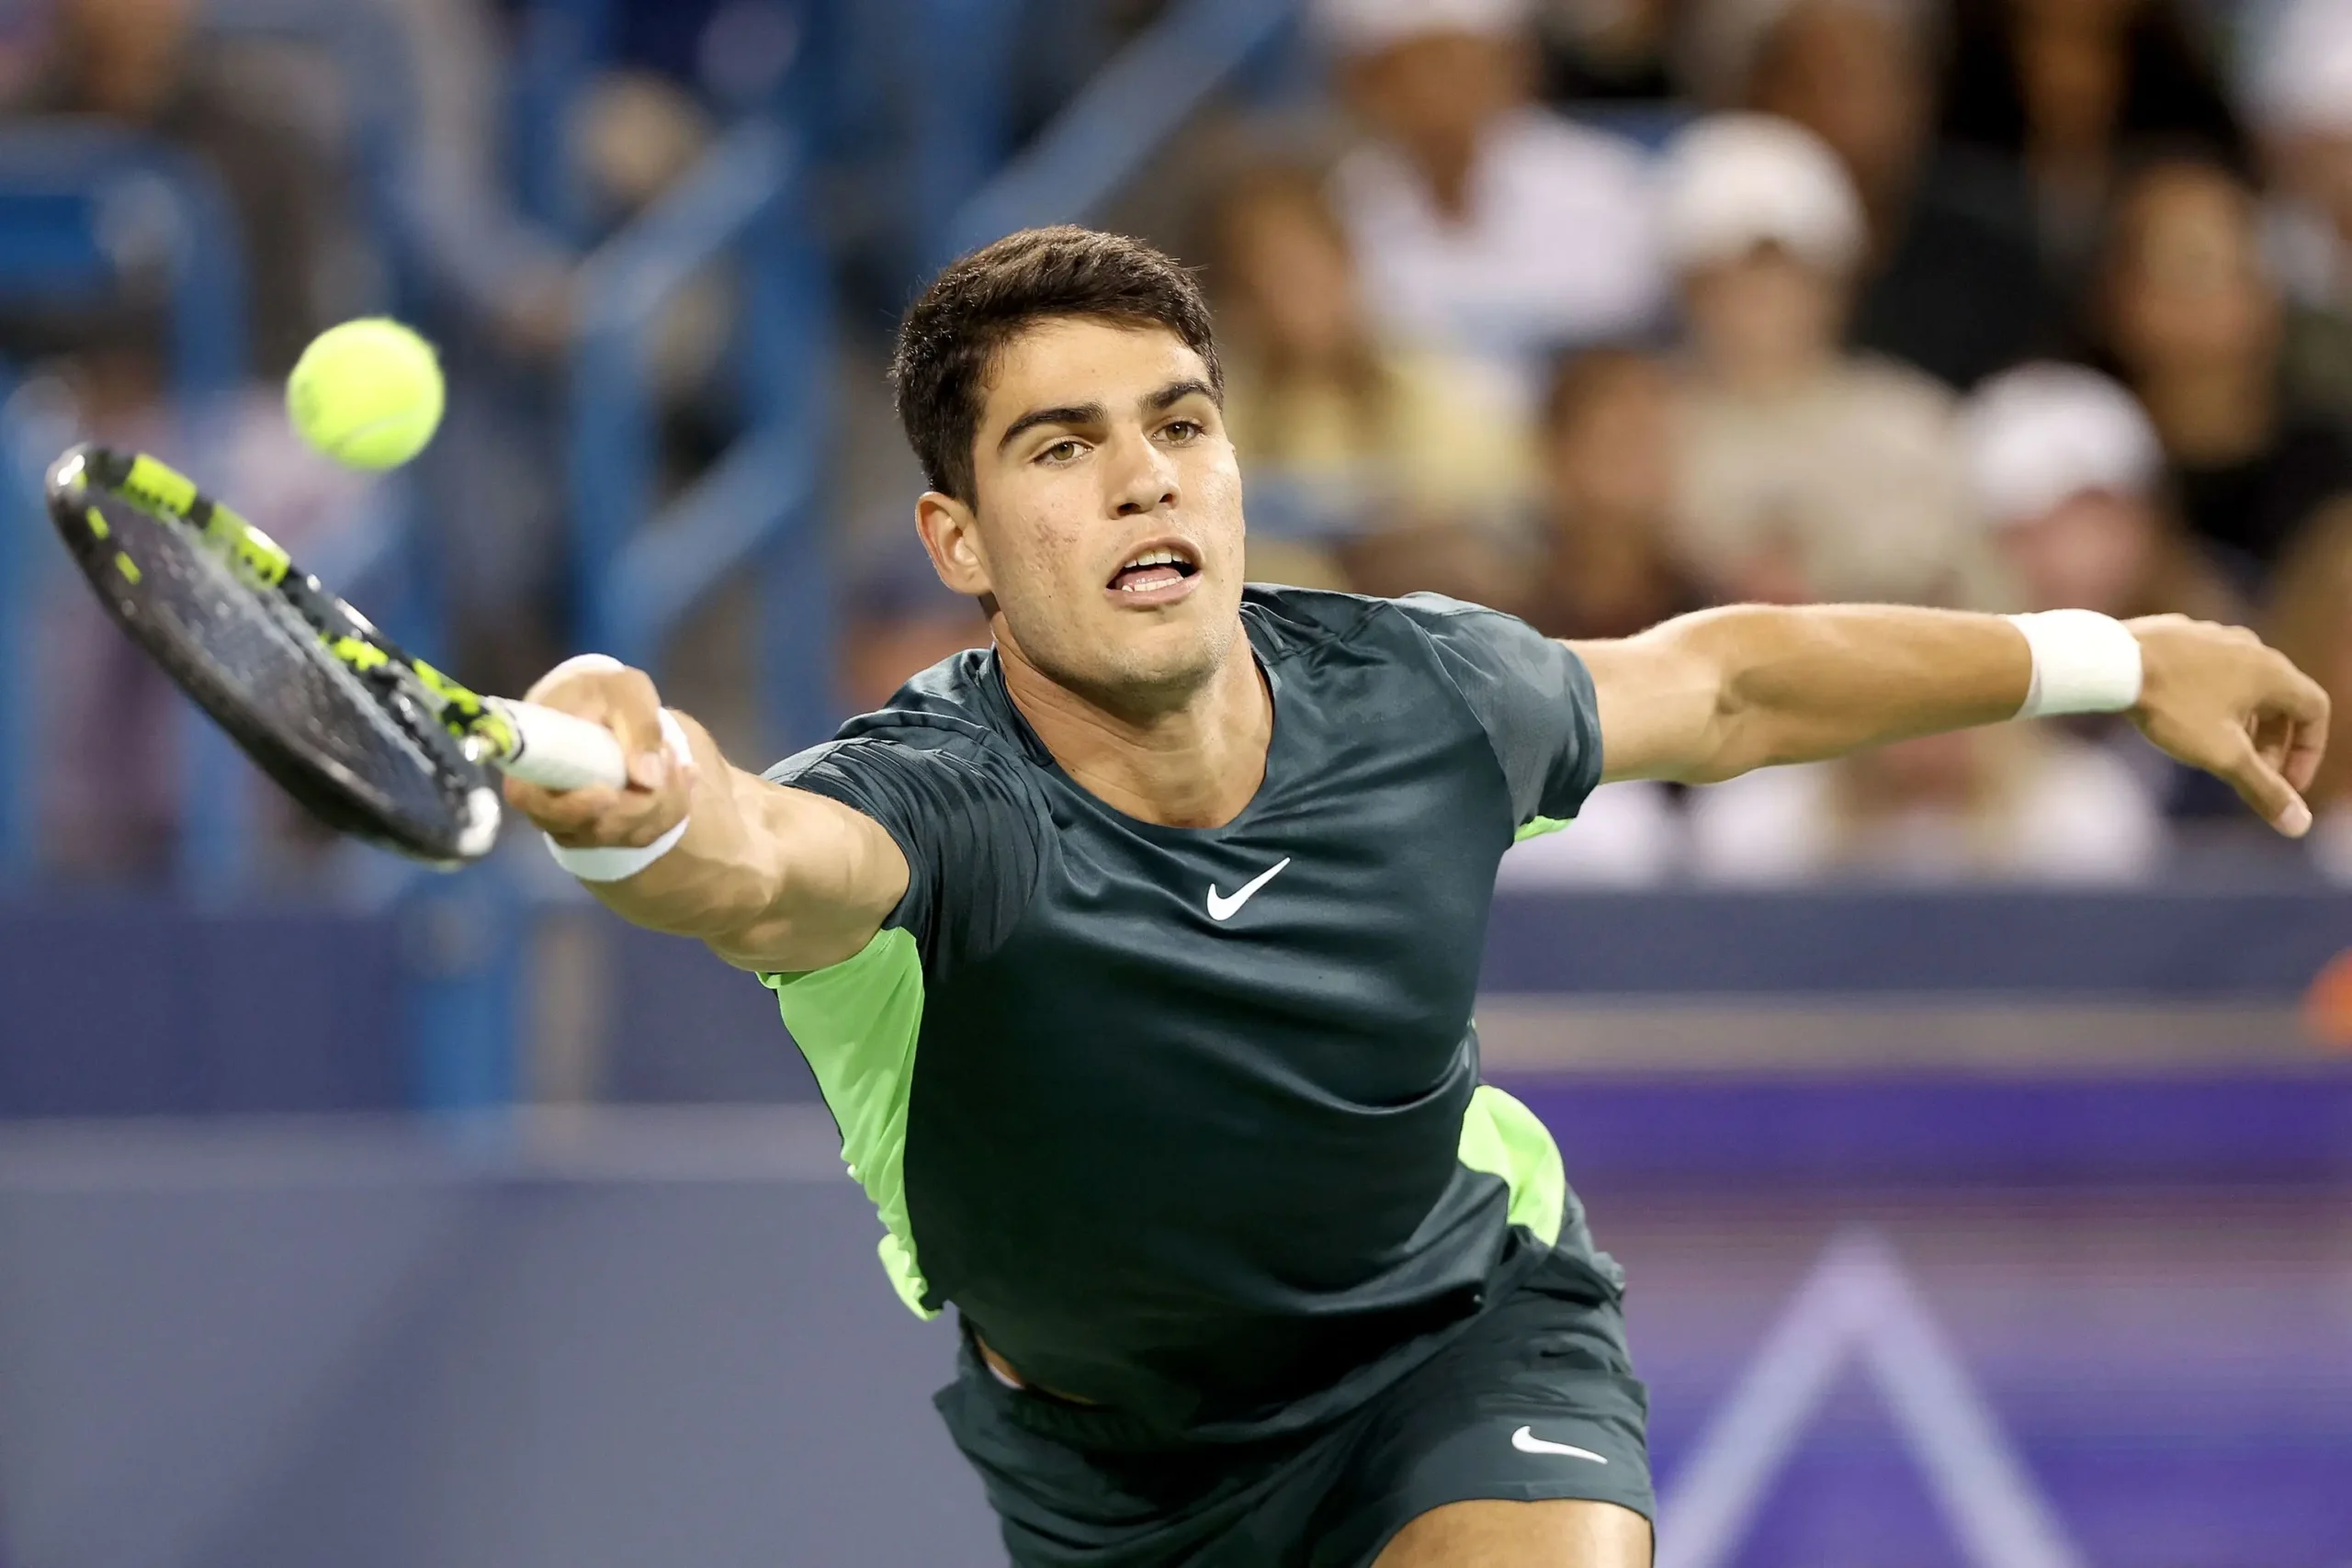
(2191, 292)
(1435, 93)
(1100, 447)
(1610, 459)
(1764, 319)
(2094, 550)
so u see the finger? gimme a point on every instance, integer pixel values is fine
(567, 814)
(2271, 797)
(2273, 734)
(2305, 749)
(2290, 691)
(579, 680)
(635, 715)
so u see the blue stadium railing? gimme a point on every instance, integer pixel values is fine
(376, 78)
(20, 676)
(81, 205)
(1124, 115)
(642, 567)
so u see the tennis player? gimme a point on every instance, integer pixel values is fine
(1135, 956)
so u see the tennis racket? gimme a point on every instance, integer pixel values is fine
(373, 742)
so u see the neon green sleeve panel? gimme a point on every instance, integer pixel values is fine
(857, 1022)
(1536, 827)
(1502, 1137)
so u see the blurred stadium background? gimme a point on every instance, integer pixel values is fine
(495, 1235)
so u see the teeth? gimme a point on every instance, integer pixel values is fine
(1154, 558)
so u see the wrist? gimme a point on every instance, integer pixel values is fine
(2083, 662)
(602, 863)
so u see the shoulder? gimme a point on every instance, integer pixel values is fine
(951, 714)
(1542, 135)
(1892, 389)
(1285, 621)
(1494, 660)
(1291, 622)
(1541, 145)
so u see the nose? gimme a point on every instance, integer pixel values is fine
(1142, 478)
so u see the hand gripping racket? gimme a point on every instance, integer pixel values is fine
(373, 742)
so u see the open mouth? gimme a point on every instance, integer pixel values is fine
(1155, 568)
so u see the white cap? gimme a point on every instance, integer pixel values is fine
(2304, 81)
(2041, 435)
(1362, 27)
(1736, 181)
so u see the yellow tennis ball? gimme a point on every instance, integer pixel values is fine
(367, 393)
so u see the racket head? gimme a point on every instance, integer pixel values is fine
(364, 752)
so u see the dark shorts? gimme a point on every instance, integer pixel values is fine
(1533, 1399)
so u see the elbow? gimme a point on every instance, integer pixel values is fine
(1736, 736)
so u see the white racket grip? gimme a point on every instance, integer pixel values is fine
(560, 752)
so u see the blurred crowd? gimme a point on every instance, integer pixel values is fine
(1595, 310)
(1600, 310)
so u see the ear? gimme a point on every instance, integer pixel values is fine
(951, 535)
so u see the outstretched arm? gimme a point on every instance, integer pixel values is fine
(770, 878)
(1709, 696)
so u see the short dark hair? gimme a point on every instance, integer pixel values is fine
(952, 335)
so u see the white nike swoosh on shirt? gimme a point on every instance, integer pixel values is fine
(1223, 908)
(1527, 1442)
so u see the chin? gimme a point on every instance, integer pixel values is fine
(1139, 671)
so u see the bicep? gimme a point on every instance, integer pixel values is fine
(1659, 701)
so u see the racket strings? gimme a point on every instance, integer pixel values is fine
(346, 747)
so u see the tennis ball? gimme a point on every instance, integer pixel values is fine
(367, 393)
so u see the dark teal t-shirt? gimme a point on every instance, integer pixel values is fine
(1187, 1122)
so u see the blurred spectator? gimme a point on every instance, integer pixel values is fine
(2069, 474)
(2071, 89)
(2310, 620)
(2013, 802)
(141, 64)
(1807, 473)
(500, 271)
(1953, 281)
(1607, 566)
(2189, 312)
(1411, 460)
(2070, 478)
(2304, 96)
(1607, 50)
(898, 620)
(1482, 220)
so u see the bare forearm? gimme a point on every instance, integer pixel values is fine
(769, 878)
(734, 868)
(1727, 691)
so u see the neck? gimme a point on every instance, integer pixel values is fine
(2212, 417)
(1773, 375)
(1192, 763)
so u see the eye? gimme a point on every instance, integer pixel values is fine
(1065, 450)
(1181, 431)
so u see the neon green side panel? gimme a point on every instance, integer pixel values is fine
(1502, 1137)
(1536, 827)
(857, 1022)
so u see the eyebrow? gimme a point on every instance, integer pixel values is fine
(1175, 392)
(1166, 397)
(1067, 414)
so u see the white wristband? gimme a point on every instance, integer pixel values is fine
(614, 864)
(2083, 662)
